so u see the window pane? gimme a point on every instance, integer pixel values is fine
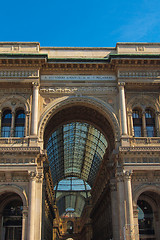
(19, 124)
(150, 131)
(6, 123)
(137, 131)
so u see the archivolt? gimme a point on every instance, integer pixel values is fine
(61, 103)
(143, 188)
(19, 101)
(5, 188)
(143, 101)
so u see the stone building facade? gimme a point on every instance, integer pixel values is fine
(87, 117)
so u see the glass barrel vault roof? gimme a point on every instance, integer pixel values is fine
(75, 151)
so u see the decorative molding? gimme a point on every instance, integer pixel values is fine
(39, 177)
(78, 90)
(78, 77)
(144, 141)
(14, 141)
(24, 161)
(139, 74)
(113, 186)
(19, 74)
(107, 111)
(20, 150)
(140, 149)
(140, 49)
(32, 175)
(16, 90)
(142, 160)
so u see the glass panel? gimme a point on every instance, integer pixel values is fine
(19, 124)
(6, 123)
(75, 151)
(137, 131)
(149, 114)
(73, 146)
(150, 131)
(135, 114)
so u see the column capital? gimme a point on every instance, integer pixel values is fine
(113, 185)
(39, 177)
(27, 113)
(123, 175)
(129, 113)
(25, 212)
(127, 175)
(32, 175)
(121, 84)
(120, 176)
(35, 84)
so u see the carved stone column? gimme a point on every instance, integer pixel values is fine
(24, 223)
(12, 124)
(26, 131)
(1, 227)
(144, 124)
(129, 206)
(130, 124)
(156, 223)
(34, 122)
(0, 122)
(32, 190)
(38, 206)
(157, 123)
(136, 226)
(114, 205)
(121, 204)
(123, 108)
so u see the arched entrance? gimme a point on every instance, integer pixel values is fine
(148, 219)
(11, 217)
(79, 140)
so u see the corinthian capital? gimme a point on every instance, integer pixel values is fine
(32, 175)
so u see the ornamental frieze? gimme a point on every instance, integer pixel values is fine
(142, 160)
(17, 161)
(139, 74)
(19, 74)
(78, 90)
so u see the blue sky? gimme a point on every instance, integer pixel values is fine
(85, 23)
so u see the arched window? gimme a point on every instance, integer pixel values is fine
(150, 123)
(145, 218)
(6, 123)
(137, 122)
(19, 123)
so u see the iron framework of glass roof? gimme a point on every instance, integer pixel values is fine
(75, 151)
